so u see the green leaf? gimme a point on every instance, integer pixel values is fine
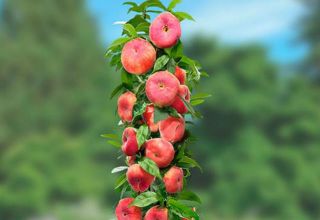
(136, 20)
(154, 11)
(114, 143)
(115, 59)
(189, 196)
(116, 90)
(130, 3)
(190, 161)
(151, 167)
(172, 66)
(188, 61)
(183, 15)
(153, 3)
(173, 4)
(139, 109)
(182, 210)
(142, 135)
(127, 79)
(200, 96)
(130, 30)
(120, 181)
(176, 51)
(110, 136)
(119, 41)
(197, 102)
(145, 199)
(205, 74)
(181, 152)
(159, 115)
(189, 107)
(173, 112)
(161, 62)
(119, 169)
(143, 27)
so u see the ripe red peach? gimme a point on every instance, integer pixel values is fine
(129, 142)
(126, 103)
(138, 56)
(138, 178)
(162, 88)
(131, 160)
(157, 213)
(126, 212)
(173, 180)
(179, 104)
(160, 151)
(148, 117)
(165, 30)
(172, 129)
(181, 75)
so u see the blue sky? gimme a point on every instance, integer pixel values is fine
(269, 22)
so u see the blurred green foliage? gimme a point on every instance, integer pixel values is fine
(259, 142)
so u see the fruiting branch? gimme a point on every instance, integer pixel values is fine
(157, 81)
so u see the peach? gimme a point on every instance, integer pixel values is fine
(129, 142)
(126, 103)
(162, 88)
(172, 129)
(157, 213)
(160, 151)
(179, 104)
(165, 30)
(173, 180)
(138, 56)
(126, 212)
(131, 160)
(181, 75)
(138, 178)
(148, 116)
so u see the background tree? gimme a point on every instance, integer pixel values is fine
(311, 34)
(52, 71)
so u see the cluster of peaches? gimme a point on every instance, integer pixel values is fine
(162, 89)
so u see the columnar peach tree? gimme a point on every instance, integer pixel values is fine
(155, 108)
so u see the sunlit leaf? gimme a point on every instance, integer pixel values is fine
(173, 4)
(145, 199)
(161, 62)
(130, 29)
(142, 135)
(119, 169)
(188, 195)
(151, 167)
(183, 15)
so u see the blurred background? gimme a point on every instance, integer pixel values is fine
(259, 143)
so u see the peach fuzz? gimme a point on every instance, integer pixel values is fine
(172, 129)
(138, 56)
(157, 213)
(165, 30)
(138, 178)
(179, 104)
(129, 142)
(162, 88)
(126, 212)
(126, 103)
(160, 151)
